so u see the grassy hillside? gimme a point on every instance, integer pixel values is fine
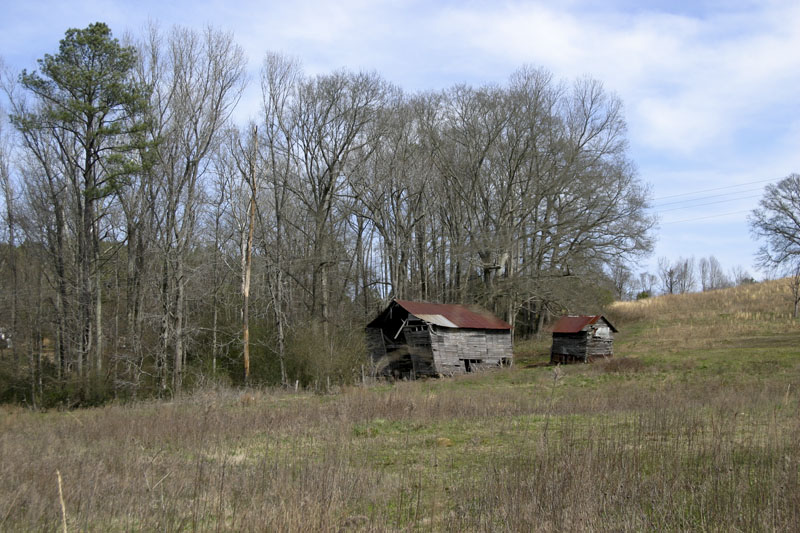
(746, 329)
(693, 426)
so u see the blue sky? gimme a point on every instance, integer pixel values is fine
(710, 88)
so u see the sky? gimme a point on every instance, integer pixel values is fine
(711, 89)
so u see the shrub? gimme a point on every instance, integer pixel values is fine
(314, 360)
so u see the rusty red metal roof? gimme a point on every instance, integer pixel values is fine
(452, 315)
(574, 324)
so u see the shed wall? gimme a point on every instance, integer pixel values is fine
(599, 347)
(419, 348)
(482, 348)
(595, 341)
(569, 347)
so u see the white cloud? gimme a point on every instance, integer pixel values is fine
(710, 88)
(690, 83)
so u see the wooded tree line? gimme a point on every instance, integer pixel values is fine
(678, 276)
(150, 243)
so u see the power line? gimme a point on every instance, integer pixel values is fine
(718, 215)
(708, 203)
(714, 189)
(705, 197)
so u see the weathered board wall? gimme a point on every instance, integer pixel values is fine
(595, 341)
(569, 347)
(481, 348)
(419, 346)
(600, 344)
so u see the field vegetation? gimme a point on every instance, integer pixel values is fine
(692, 426)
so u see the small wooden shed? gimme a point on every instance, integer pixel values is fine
(410, 339)
(582, 338)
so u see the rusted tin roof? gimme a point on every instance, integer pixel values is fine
(574, 324)
(452, 316)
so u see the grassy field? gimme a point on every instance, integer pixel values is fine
(694, 425)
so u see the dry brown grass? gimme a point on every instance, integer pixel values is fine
(755, 300)
(680, 456)
(628, 444)
(756, 316)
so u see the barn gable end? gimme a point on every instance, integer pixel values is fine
(410, 339)
(582, 338)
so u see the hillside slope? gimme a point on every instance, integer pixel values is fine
(750, 325)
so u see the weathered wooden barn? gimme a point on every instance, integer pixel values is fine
(581, 339)
(410, 339)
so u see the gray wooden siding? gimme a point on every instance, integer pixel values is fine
(573, 345)
(419, 348)
(582, 346)
(498, 345)
(451, 347)
(599, 347)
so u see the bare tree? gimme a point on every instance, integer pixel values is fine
(712, 276)
(534, 189)
(705, 278)
(741, 276)
(10, 330)
(777, 220)
(240, 181)
(393, 187)
(279, 76)
(7, 191)
(247, 249)
(646, 285)
(677, 277)
(686, 278)
(621, 278)
(668, 274)
(200, 80)
(329, 116)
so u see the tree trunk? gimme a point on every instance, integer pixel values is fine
(247, 260)
(177, 369)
